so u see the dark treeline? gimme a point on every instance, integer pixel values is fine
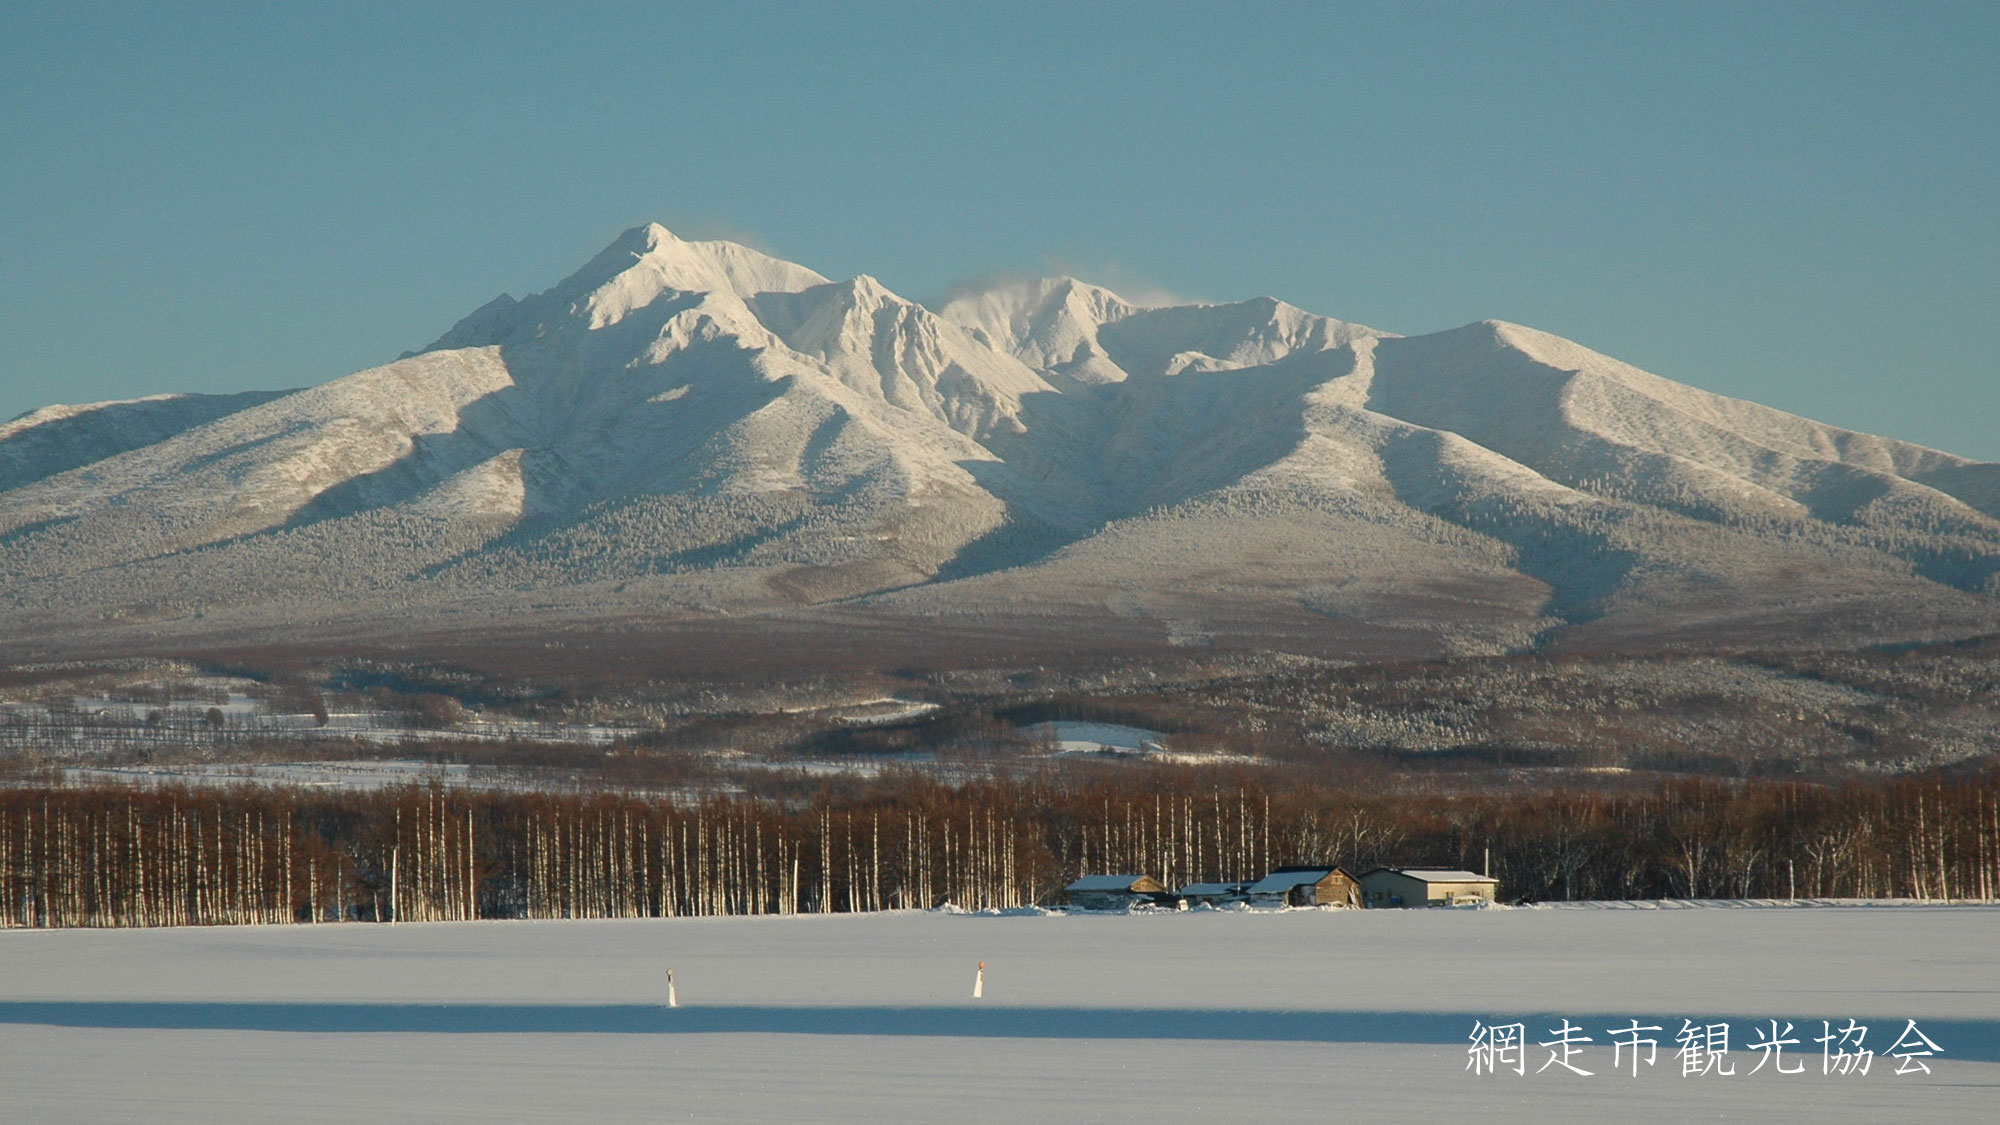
(177, 856)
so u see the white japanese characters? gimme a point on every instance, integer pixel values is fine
(1702, 1049)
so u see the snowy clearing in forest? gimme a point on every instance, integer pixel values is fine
(1208, 1016)
(1066, 737)
(361, 774)
(1079, 737)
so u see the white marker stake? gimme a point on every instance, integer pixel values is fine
(672, 1000)
(979, 982)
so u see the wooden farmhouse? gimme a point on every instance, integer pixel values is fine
(1304, 886)
(1115, 892)
(1424, 886)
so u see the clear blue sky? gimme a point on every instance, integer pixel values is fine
(1795, 203)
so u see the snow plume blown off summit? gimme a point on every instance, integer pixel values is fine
(682, 429)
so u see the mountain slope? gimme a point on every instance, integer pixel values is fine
(685, 429)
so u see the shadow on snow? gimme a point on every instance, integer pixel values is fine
(1976, 1040)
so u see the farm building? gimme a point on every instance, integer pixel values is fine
(1114, 892)
(1211, 894)
(1305, 886)
(1424, 886)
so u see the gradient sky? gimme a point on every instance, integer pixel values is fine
(1794, 203)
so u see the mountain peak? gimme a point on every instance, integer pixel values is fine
(866, 287)
(1049, 323)
(643, 239)
(640, 266)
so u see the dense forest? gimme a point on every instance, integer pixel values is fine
(181, 856)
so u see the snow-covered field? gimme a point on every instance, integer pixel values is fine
(1214, 1016)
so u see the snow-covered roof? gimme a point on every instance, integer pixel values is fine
(1207, 889)
(1104, 883)
(1279, 882)
(1441, 875)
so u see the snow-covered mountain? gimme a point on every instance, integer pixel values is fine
(685, 429)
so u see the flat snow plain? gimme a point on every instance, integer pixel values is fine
(1207, 1016)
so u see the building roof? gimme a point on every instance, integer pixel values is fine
(1279, 882)
(1108, 883)
(1205, 889)
(1437, 875)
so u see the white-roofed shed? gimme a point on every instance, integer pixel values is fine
(1425, 886)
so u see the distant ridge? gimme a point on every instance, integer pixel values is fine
(683, 431)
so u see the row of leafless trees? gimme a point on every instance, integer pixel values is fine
(178, 856)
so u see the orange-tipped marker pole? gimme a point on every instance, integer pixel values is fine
(979, 982)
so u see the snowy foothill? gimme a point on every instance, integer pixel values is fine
(1208, 1016)
(82, 725)
(884, 712)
